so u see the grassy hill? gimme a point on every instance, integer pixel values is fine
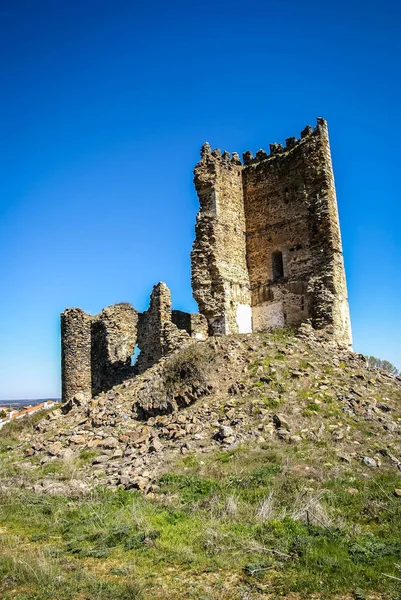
(245, 467)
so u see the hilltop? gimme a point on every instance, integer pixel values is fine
(245, 466)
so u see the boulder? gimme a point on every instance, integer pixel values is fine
(111, 443)
(369, 462)
(281, 422)
(155, 445)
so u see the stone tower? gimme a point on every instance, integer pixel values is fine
(268, 249)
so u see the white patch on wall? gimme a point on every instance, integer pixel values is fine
(346, 321)
(244, 318)
(269, 315)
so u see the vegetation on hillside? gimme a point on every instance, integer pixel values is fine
(380, 363)
(242, 524)
(304, 503)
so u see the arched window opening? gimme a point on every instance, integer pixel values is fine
(277, 265)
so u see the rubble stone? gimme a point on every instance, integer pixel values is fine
(369, 462)
(281, 422)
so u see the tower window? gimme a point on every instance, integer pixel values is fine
(277, 265)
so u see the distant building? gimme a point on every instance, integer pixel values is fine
(27, 410)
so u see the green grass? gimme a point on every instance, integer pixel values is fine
(86, 455)
(241, 518)
(39, 576)
(192, 364)
(272, 403)
(282, 335)
(311, 409)
(6, 444)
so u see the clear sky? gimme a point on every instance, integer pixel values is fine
(104, 107)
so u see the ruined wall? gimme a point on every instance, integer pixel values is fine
(76, 373)
(220, 279)
(97, 350)
(193, 323)
(114, 334)
(157, 334)
(268, 236)
(267, 254)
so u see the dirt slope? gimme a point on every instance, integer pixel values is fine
(301, 390)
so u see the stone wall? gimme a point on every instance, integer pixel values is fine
(194, 324)
(287, 263)
(114, 336)
(267, 254)
(157, 334)
(76, 343)
(220, 278)
(97, 350)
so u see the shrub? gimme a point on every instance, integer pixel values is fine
(189, 367)
(380, 363)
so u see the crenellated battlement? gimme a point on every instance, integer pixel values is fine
(291, 143)
(226, 158)
(218, 157)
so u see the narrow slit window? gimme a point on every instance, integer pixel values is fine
(277, 265)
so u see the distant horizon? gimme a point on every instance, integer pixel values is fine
(21, 400)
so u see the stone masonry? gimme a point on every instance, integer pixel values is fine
(113, 339)
(158, 335)
(268, 252)
(76, 344)
(96, 351)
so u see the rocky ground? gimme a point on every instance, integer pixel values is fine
(221, 393)
(239, 468)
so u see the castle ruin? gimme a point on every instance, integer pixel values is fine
(96, 350)
(267, 255)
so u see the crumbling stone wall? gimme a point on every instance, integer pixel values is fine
(114, 335)
(194, 324)
(267, 254)
(285, 204)
(220, 279)
(158, 336)
(97, 350)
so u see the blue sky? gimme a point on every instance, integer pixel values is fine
(104, 108)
